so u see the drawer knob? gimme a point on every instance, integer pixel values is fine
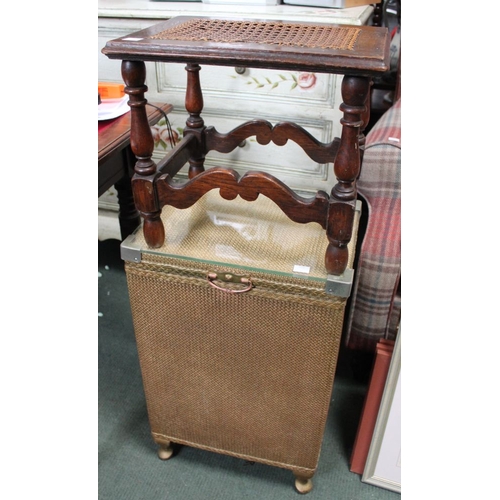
(240, 70)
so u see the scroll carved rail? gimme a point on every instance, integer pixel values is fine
(248, 186)
(265, 132)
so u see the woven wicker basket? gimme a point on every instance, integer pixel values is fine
(245, 374)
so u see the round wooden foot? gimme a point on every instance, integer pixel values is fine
(165, 451)
(303, 485)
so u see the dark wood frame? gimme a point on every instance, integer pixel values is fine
(153, 184)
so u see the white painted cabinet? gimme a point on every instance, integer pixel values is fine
(234, 95)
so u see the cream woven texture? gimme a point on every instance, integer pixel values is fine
(270, 32)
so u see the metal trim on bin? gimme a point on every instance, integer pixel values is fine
(130, 251)
(340, 286)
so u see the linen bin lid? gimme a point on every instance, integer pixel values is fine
(253, 235)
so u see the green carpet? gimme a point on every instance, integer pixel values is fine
(129, 468)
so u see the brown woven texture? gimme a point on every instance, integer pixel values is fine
(274, 33)
(248, 375)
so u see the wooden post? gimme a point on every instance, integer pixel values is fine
(194, 123)
(346, 167)
(142, 145)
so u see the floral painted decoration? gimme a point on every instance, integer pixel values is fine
(161, 135)
(302, 81)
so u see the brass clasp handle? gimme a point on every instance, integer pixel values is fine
(229, 278)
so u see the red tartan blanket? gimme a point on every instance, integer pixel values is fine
(376, 304)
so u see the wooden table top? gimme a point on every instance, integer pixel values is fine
(114, 134)
(259, 44)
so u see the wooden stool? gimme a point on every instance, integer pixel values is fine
(358, 52)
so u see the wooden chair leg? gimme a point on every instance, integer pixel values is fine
(194, 123)
(142, 144)
(346, 167)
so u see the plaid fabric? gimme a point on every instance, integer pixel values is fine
(375, 304)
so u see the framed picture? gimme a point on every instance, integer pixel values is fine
(383, 464)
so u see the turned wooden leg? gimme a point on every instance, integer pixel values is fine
(165, 451)
(142, 145)
(195, 124)
(346, 167)
(303, 484)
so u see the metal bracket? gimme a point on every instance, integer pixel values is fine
(129, 250)
(340, 285)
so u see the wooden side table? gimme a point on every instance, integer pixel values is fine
(116, 162)
(358, 52)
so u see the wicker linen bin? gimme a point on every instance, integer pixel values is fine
(238, 328)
